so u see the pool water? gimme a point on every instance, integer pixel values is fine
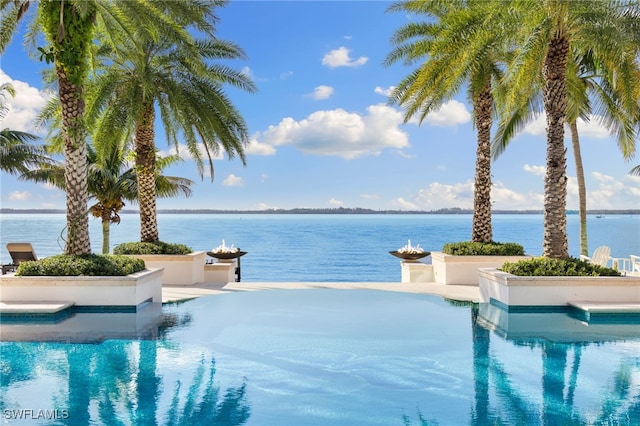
(320, 357)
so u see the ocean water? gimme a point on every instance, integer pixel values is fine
(312, 247)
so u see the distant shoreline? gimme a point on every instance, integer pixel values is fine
(340, 210)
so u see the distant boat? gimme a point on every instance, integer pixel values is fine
(599, 216)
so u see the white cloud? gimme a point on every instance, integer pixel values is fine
(438, 195)
(341, 133)
(606, 193)
(593, 128)
(335, 202)
(322, 92)
(402, 204)
(24, 107)
(369, 196)
(264, 177)
(247, 71)
(19, 196)
(537, 126)
(256, 148)
(504, 198)
(535, 170)
(49, 205)
(340, 58)
(449, 114)
(602, 177)
(285, 75)
(265, 206)
(232, 180)
(50, 186)
(382, 91)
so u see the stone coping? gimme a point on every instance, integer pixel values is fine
(449, 258)
(168, 257)
(511, 280)
(79, 281)
(33, 307)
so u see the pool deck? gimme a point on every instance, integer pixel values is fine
(458, 292)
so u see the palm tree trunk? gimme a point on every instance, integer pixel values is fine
(554, 365)
(481, 341)
(106, 223)
(555, 244)
(481, 230)
(146, 167)
(75, 173)
(582, 189)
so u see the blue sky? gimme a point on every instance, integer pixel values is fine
(323, 135)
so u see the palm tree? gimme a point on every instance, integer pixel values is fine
(68, 27)
(453, 50)
(112, 181)
(591, 88)
(544, 34)
(142, 76)
(16, 154)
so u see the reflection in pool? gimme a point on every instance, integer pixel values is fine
(332, 357)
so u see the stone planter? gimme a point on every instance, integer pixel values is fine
(130, 290)
(463, 270)
(507, 290)
(179, 269)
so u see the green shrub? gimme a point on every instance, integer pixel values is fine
(88, 265)
(469, 248)
(547, 267)
(156, 247)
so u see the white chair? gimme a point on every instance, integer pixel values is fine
(635, 264)
(600, 256)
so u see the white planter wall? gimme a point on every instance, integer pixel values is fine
(130, 290)
(463, 270)
(512, 290)
(179, 269)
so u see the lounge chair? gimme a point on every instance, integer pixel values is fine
(600, 256)
(20, 252)
(635, 264)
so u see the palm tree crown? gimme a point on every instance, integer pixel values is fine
(140, 77)
(453, 50)
(545, 33)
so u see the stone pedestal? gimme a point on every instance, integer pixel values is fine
(416, 272)
(220, 272)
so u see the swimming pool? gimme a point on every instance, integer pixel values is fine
(321, 357)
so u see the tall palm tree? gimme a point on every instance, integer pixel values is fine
(141, 76)
(17, 155)
(591, 89)
(112, 181)
(453, 50)
(544, 34)
(68, 27)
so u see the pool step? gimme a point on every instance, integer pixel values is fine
(607, 307)
(34, 307)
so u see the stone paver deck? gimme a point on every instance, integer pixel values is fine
(457, 292)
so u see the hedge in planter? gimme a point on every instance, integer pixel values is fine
(547, 267)
(471, 248)
(156, 247)
(76, 265)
